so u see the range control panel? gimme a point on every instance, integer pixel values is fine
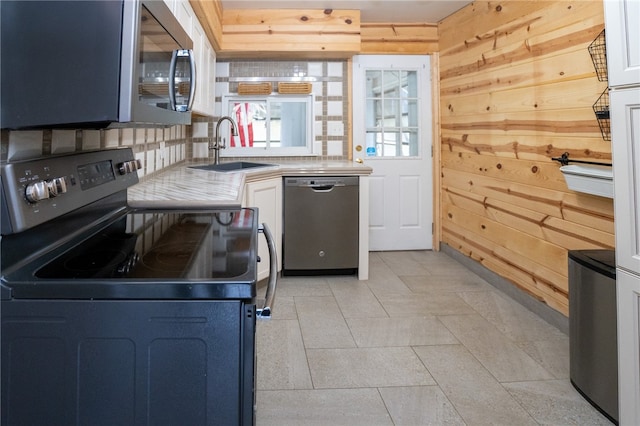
(35, 191)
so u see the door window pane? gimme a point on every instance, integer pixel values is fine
(392, 113)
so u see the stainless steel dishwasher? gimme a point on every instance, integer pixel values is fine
(320, 225)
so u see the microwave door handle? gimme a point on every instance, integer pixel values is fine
(192, 79)
(172, 80)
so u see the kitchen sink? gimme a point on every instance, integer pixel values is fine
(232, 167)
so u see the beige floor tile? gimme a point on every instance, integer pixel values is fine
(456, 282)
(303, 286)
(381, 286)
(502, 357)
(555, 402)
(434, 259)
(383, 280)
(420, 304)
(283, 307)
(433, 342)
(322, 323)
(355, 298)
(475, 394)
(366, 367)
(553, 355)
(330, 407)
(419, 405)
(281, 358)
(404, 331)
(511, 318)
(402, 264)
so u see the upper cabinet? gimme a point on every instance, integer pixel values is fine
(623, 42)
(185, 16)
(204, 102)
(205, 65)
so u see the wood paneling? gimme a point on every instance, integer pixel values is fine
(209, 13)
(404, 39)
(516, 88)
(334, 33)
(299, 33)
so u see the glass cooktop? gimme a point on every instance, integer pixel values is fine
(159, 246)
(160, 253)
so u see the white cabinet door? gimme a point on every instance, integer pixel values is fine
(197, 34)
(266, 195)
(628, 293)
(623, 41)
(625, 139)
(210, 79)
(184, 14)
(171, 4)
(204, 102)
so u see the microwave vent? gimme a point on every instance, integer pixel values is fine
(254, 88)
(294, 88)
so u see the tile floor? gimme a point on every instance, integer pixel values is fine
(423, 342)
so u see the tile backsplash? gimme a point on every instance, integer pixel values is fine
(156, 147)
(329, 81)
(160, 147)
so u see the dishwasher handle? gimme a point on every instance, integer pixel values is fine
(319, 187)
(265, 311)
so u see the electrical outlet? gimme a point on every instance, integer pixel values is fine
(335, 128)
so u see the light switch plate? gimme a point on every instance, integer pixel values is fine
(335, 128)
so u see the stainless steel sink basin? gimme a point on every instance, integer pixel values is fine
(232, 167)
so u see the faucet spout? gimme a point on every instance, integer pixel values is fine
(216, 146)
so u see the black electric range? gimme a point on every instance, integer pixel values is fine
(113, 315)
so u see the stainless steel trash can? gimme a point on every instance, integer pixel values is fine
(593, 342)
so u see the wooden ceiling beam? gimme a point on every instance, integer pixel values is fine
(300, 33)
(315, 32)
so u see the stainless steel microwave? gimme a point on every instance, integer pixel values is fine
(95, 64)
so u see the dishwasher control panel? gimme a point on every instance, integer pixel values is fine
(321, 181)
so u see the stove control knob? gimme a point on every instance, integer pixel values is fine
(57, 186)
(37, 191)
(124, 168)
(129, 166)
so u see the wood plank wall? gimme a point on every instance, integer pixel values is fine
(317, 32)
(517, 85)
(398, 39)
(279, 33)
(300, 33)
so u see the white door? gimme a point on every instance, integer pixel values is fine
(392, 134)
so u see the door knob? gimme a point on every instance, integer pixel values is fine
(359, 160)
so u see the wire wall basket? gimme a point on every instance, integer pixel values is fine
(598, 52)
(601, 109)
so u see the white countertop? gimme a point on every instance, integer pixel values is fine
(181, 186)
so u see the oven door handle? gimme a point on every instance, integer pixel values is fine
(265, 312)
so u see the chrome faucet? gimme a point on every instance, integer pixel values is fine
(216, 146)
